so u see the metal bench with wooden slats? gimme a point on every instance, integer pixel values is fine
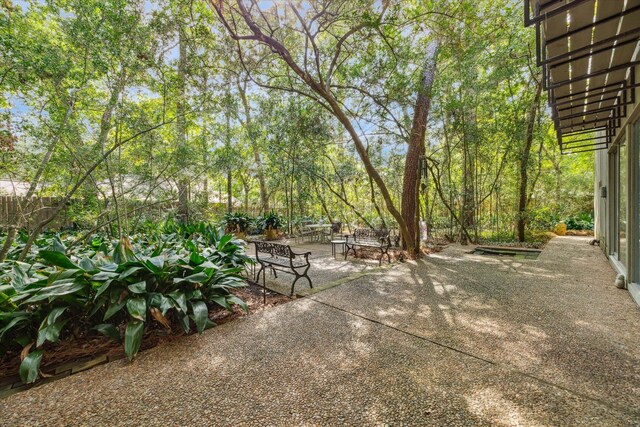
(368, 238)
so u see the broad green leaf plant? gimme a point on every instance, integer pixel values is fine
(172, 277)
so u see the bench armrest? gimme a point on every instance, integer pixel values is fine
(304, 254)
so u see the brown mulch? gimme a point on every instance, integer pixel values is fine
(92, 344)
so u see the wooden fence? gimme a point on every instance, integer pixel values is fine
(33, 211)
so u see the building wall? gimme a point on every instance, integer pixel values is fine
(605, 208)
(600, 202)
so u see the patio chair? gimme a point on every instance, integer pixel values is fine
(337, 239)
(301, 233)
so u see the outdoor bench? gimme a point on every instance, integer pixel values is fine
(368, 238)
(281, 258)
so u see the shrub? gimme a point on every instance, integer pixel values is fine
(237, 222)
(170, 278)
(580, 222)
(271, 220)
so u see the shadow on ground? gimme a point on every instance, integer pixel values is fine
(456, 339)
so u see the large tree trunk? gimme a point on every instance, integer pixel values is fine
(322, 89)
(524, 162)
(416, 149)
(469, 137)
(371, 171)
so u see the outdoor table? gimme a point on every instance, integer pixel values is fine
(319, 228)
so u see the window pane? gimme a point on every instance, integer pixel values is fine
(622, 204)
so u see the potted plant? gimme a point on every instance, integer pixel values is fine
(271, 223)
(237, 223)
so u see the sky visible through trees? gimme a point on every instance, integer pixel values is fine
(127, 112)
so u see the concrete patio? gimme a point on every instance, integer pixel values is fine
(454, 339)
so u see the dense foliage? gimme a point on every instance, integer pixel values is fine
(238, 222)
(118, 288)
(270, 220)
(126, 111)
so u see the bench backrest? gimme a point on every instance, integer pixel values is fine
(369, 235)
(274, 249)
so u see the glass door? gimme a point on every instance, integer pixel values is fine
(622, 204)
(635, 200)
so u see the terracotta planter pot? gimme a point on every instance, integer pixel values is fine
(271, 233)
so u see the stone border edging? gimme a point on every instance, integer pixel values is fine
(13, 384)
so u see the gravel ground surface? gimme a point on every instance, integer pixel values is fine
(456, 339)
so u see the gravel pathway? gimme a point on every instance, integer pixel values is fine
(455, 339)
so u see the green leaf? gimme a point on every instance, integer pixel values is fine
(224, 240)
(180, 299)
(58, 259)
(51, 327)
(64, 274)
(54, 290)
(109, 330)
(137, 308)
(57, 245)
(122, 252)
(104, 275)
(161, 302)
(129, 271)
(88, 265)
(110, 266)
(200, 315)
(184, 320)
(30, 366)
(138, 288)
(13, 322)
(194, 278)
(103, 288)
(157, 261)
(133, 338)
(55, 314)
(235, 300)
(113, 309)
(208, 264)
(50, 333)
(19, 278)
(221, 301)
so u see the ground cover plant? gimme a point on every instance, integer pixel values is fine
(237, 222)
(117, 288)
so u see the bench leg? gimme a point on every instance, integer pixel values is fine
(299, 276)
(264, 283)
(261, 270)
(348, 248)
(384, 252)
(264, 288)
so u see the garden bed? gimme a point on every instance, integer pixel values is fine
(76, 354)
(518, 253)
